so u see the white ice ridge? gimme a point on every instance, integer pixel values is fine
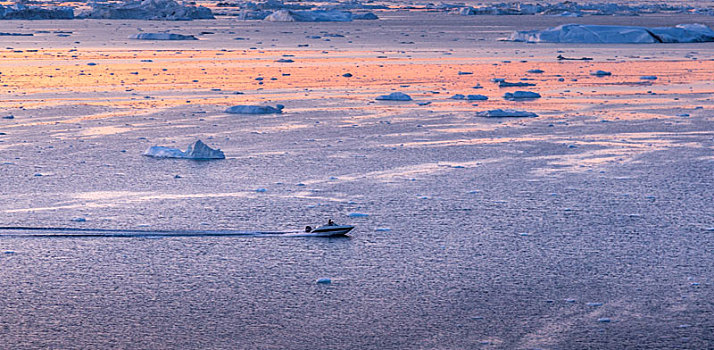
(198, 151)
(608, 34)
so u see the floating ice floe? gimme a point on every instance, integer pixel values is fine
(198, 151)
(364, 16)
(521, 95)
(476, 97)
(249, 109)
(358, 215)
(147, 9)
(21, 11)
(609, 34)
(162, 36)
(600, 73)
(503, 83)
(648, 77)
(323, 281)
(394, 96)
(309, 16)
(506, 113)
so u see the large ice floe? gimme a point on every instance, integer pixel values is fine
(248, 109)
(148, 9)
(161, 36)
(310, 16)
(21, 11)
(505, 113)
(197, 150)
(607, 34)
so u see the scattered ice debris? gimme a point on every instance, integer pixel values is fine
(504, 83)
(250, 109)
(382, 229)
(394, 96)
(611, 34)
(147, 9)
(358, 215)
(476, 97)
(310, 16)
(79, 219)
(198, 151)
(506, 113)
(521, 95)
(323, 281)
(648, 77)
(600, 73)
(162, 36)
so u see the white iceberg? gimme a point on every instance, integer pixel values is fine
(310, 16)
(521, 95)
(249, 109)
(505, 113)
(198, 151)
(162, 36)
(148, 9)
(610, 34)
(394, 96)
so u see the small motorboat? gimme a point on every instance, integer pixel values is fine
(330, 230)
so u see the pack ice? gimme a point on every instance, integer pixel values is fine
(608, 34)
(198, 151)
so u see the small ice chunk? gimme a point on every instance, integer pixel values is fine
(10, 116)
(394, 96)
(260, 190)
(603, 320)
(284, 60)
(648, 77)
(358, 215)
(521, 95)
(250, 109)
(382, 229)
(79, 219)
(504, 83)
(506, 113)
(476, 97)
(536, 71)
(600, 73)
(323, 281)
(594, 304)
(458, 97)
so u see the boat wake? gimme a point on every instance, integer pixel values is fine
(19, 231)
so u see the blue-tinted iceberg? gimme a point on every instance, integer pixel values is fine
(607, 34)
(21, 11)
(198, 151)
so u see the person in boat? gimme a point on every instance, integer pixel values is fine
(308, 229)
(330, 223)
